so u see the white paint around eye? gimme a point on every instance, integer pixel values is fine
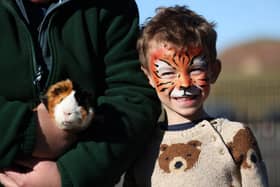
(163, 66)
(200, 61)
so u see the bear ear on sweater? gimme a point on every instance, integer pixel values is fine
(195, 143)
(163, 147)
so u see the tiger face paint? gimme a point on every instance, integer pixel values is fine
(180, 78)
(177, 69)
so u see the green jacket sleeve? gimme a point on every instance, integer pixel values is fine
(129, 106)
(17, 130)
(17, 94)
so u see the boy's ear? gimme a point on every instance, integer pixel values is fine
(148, 75)
(215, 71)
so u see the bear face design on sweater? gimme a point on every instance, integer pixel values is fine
(179, 157)
(244, 148)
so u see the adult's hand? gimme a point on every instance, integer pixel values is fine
(42, 174)
(50, 141)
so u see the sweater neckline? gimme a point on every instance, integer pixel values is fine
(182, 126)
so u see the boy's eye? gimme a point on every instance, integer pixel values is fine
(196, 71)
(199, 61)
(165, 70)
(198, 65)
(168, 74)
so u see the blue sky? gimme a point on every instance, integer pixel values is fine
(237, 20)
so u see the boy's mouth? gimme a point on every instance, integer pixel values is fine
(186, 97)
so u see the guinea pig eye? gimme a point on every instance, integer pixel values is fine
(166, 158)
(254, 158)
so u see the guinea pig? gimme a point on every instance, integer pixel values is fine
(68, 106)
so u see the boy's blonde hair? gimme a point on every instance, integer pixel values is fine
(179, 26)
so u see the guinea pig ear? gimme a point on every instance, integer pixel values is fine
(82, 96)
(56, 91)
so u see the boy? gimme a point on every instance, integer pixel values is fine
(177, 50)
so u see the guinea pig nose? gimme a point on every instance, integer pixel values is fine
(67, 113)
(178, 164)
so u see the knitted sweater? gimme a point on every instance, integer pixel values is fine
(216, 153)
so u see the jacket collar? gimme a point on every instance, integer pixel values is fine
(52, 6)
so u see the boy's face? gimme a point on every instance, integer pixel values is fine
(181, 78)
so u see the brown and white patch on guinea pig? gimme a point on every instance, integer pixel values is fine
(69, 106)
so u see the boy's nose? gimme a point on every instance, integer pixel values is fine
(184, 81)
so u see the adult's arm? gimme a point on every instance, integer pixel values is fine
(18, 96)
(17, 131)
(25, 132)
(129, 107)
